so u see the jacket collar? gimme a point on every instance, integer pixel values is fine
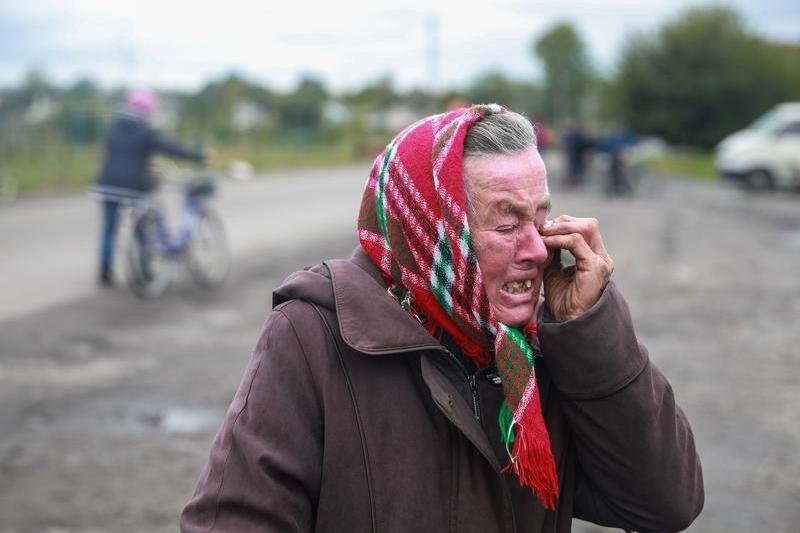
(372, 322)
(370, 319)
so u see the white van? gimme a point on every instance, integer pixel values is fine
(767, 153)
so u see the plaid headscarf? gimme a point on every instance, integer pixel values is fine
(413, 225)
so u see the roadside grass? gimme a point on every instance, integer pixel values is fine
(49, 167)
(59, 167)
(688, 164)
(266, 157)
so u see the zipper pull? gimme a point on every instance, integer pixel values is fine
(475, 403)
(492, 377)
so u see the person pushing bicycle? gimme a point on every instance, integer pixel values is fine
(125, 174)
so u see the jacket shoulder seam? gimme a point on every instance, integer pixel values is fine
(230, 445)
(302, 348)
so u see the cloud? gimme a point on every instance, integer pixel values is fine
(183, 44)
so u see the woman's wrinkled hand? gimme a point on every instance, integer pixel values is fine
(571, 291)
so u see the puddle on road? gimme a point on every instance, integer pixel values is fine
(792, 238)
(174, 420)
(180, 420)
(223, 318)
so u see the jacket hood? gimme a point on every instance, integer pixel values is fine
(370, 320)
(313, 285)
(130, 124)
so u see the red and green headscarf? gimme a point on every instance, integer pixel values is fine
(413, 225)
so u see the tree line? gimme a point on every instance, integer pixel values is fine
(700, 76)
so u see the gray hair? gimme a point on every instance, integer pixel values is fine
(499, 133)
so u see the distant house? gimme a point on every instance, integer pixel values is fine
(167, 114)
(42, 109)
(17, 124)
(393, 118)
(336, 113)
(248, 115)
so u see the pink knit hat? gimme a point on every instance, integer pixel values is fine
(142, 101)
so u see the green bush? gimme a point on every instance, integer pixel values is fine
(696, 165)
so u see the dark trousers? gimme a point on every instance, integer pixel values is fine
(618, 182)
(109, 236)
(575, 177)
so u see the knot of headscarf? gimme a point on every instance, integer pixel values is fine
(413, 225)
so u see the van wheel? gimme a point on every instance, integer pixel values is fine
(759, 180)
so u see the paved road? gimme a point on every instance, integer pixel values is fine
(109, 403)
(50, 244)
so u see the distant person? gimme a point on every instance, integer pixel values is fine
(618, 144)
(456, 102)
(125, 174)
(427, 384)
(576, 145)
(544, 137)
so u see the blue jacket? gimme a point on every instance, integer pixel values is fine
(131, 143)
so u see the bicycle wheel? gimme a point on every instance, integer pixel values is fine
(208, 257)
(148, 269)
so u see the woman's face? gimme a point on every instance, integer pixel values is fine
(508, 202)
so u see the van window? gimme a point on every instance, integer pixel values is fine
(769, 122)
(793, 128)
(776, 120)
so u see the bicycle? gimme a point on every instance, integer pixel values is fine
(151, 250)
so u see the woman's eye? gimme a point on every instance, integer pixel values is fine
(508, 228)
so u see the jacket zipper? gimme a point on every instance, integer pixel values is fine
(476, 406)
(490, 373)
(470, 379)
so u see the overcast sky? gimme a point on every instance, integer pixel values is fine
(347, 43)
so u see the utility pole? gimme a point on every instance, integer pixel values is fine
(433, 51)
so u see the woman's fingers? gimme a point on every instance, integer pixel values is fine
(574, 242)
(589, 228)
(569, 292)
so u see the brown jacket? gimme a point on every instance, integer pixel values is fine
(361, 421)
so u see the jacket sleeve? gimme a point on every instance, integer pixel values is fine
(175, 149)
(264, 468)
(637, 464)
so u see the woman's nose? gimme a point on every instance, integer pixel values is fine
(531, 246)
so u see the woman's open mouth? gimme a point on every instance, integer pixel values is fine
(518, 287)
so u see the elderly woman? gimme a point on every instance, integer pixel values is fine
(425, 384)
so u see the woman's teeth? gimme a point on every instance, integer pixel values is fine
(517, 287)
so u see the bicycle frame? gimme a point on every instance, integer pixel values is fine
(153, 249)
(168, 245)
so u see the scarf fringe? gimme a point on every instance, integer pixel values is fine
(533, 463)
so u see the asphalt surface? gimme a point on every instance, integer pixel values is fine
(52, 242)
(108, 404)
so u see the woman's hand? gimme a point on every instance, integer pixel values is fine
(569, 292)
